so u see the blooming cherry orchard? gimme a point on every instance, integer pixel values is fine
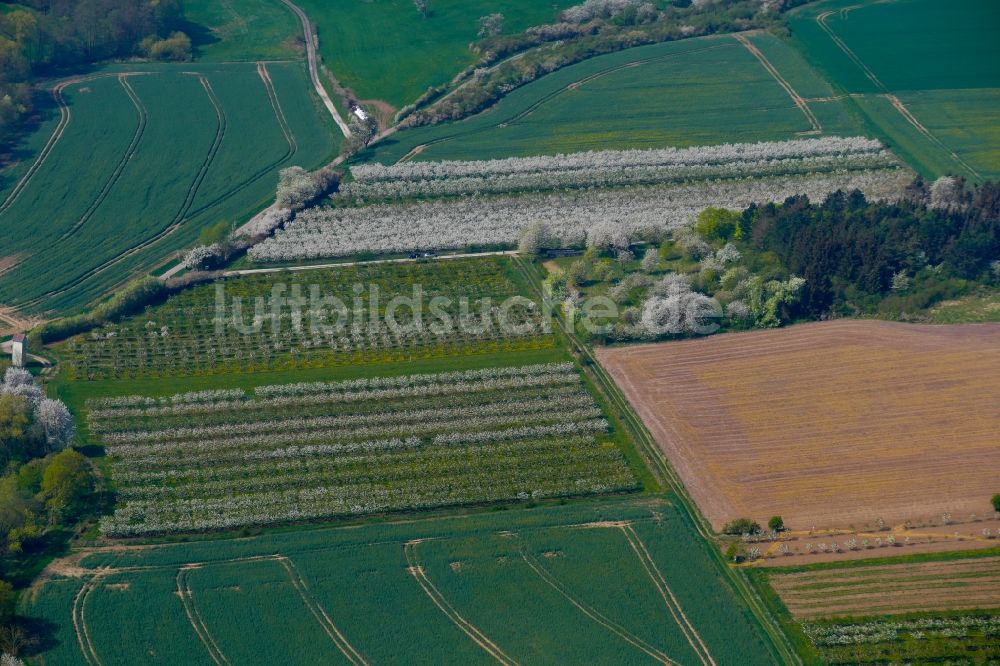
(480, 221)
(288, 452)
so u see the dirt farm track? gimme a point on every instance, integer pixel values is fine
(831, 424)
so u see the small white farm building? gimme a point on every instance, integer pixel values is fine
(19, 350)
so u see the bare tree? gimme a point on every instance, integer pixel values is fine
(421, 6)
(363, 132)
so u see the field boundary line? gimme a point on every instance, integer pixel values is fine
(308, 267)
(910, 118)
(79, 622)
(594, 614)
(312, 55)
(671, 602)
(435, 595)
(799, 101)
(317, 610)
(194, 616)
(143, 115)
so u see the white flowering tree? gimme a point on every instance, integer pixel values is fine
(533, 238)
(650, 260)
(17, 377)
(56, 422)
(608, 236)
(20, 382)
(676, 310)
(948, 193)
(203, 256)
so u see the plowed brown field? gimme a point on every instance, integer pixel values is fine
(827, 424)
(899, 588)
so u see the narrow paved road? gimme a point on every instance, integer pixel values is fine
(311, 56)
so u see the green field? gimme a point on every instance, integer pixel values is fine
(138, 161)
(934, 58)
(386, 50)
(692, 92)
(611, 582)
(225, 30)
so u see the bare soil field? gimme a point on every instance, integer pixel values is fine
(832, 424)
(965, 584)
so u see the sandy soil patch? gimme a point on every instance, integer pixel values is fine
(832, 424)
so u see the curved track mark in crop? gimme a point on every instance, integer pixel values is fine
(286, 130)
(674, 606)
(594, 614)
(272, 95)
(220, 134)
(338, 638)
(142, 115)
(776, 75)
(80, 624)
(470, 630)
(173, 225)
(65, 116)
(195, 619)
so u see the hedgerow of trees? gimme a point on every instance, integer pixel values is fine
(591, 28)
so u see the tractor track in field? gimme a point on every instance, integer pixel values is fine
(439, 600)
(594, 614)
(194, 616)
(799, 101)
(173, 225)
(674, 606)
(293, 147)
(272, 95)
(79, 622)
(143, 116)
(65, 115)
(336, 636)
(896, 103)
